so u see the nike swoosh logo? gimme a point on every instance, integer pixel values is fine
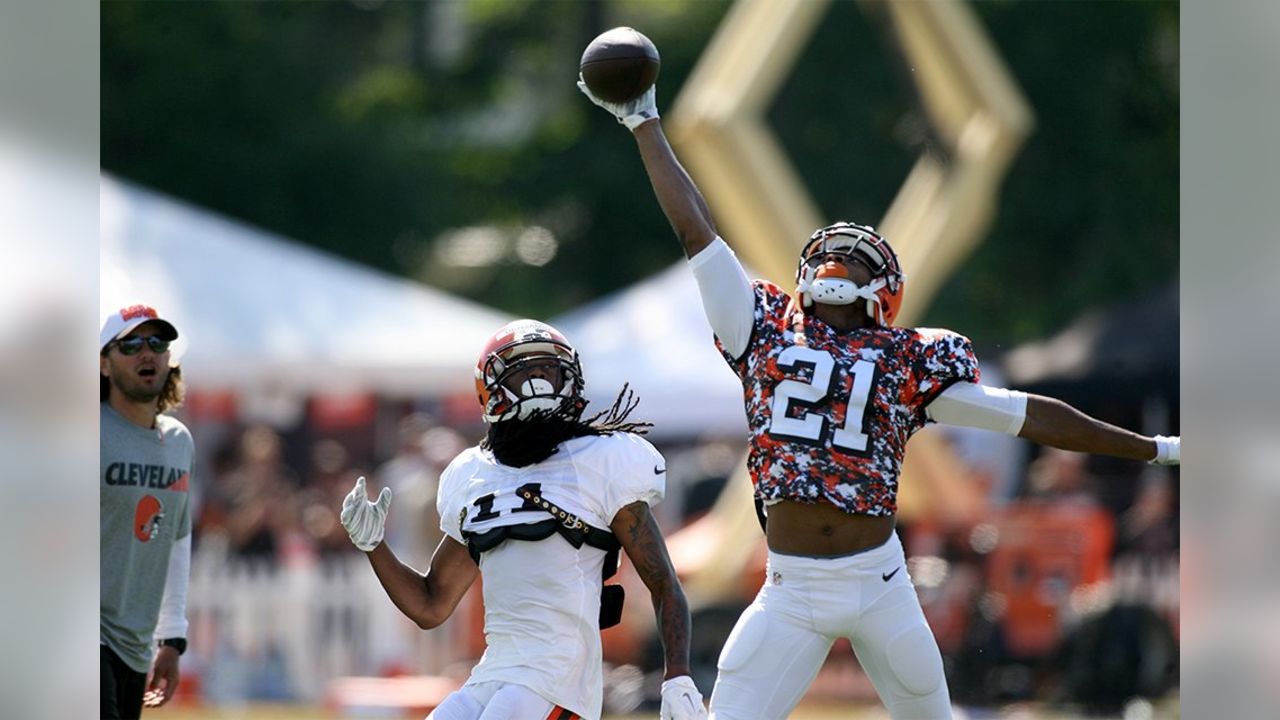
(887, 577)
(658, 471)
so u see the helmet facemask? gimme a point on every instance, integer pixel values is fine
(532, 379)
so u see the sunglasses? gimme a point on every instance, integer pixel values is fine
(133, 345)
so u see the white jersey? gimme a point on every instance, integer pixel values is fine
(542, 598)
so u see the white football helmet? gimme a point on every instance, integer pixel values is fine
(519, 348)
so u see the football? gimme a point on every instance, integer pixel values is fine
(620, 65)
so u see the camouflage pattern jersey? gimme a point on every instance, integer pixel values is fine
(830, 412)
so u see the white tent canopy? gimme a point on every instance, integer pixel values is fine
(257, 312)
(655, 336)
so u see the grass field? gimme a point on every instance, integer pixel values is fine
(1166, 709)
(294, 712)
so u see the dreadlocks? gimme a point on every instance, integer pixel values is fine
(517, 443)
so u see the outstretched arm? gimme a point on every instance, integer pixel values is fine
(1057, 424)
(727, 295)
(1046, 421)
(638, 532)
(427, 600)
(679, 197)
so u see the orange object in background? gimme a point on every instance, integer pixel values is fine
(208, 405)
(1043, 554)
(342, 411)
(190, 689)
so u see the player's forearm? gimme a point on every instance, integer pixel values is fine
(638, 532)
(1057, 424)
(407, 588)
(672, 611)
(679, 197)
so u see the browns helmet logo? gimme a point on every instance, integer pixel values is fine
(147, 517)
(136, 311)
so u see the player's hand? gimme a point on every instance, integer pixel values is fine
(1168, 450)
(681, 700)
(164, 678)
(365, 521)
(631, 114)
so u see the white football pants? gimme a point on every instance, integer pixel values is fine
(782, 639)
(497, 701)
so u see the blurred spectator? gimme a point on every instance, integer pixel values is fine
(255, 499)
(321, 497)
(261, 509)
(423, 450)
(330, 464)
(1150, 526)
(1062, 476)
(211, 511)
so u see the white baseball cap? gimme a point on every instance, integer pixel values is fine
(126, 319)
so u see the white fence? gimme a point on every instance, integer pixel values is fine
(271, 631)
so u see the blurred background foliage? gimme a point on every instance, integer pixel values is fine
(445, 141)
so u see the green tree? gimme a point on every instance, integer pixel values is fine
(445, 141)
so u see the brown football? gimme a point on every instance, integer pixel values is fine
(620, 65)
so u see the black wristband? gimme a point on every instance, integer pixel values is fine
(179, 644)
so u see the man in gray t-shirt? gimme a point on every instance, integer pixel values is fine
(147, 460)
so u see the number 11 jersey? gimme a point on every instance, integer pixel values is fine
(830, 412)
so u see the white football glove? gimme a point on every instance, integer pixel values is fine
(1168, 450)
(681, 700)
(631, 114)
(365, 521)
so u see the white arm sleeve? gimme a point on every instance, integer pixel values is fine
(727, 297)
(972, 405)
(173, 606)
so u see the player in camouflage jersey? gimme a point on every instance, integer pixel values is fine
(833, 391)
(878, 384)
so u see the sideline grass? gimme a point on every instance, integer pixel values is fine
(261, 711)
(1165, 710)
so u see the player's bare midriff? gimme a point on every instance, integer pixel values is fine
(822, 530)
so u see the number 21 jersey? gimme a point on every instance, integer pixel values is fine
(830, 412)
